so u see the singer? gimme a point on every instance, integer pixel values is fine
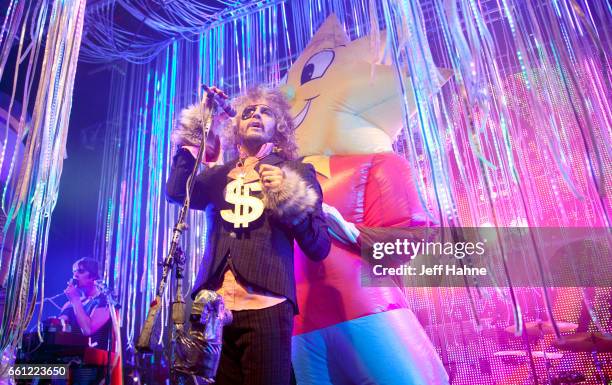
(261, 200)
(87, 313)
(86, 309)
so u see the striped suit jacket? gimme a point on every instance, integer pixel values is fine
(261, 255)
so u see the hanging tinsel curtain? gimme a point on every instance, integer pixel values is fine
(47, 37)
(518, 137)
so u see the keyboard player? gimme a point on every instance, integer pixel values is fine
(87, 312)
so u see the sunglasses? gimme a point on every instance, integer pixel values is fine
(249, 111)
(80, 271)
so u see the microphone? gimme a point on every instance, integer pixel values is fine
(74, 282)
(221, 102)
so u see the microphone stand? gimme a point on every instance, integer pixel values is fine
(175, 258)
(51, 299)
(178, 307)
(112, 305)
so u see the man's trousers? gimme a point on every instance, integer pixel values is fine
(257, 347)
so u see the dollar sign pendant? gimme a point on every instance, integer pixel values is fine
(247, 208)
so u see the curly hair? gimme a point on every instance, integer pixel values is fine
(284, 135)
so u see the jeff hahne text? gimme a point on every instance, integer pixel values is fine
(409, 250)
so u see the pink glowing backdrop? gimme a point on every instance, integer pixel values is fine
(519, 137)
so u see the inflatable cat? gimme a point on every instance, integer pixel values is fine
(347, 110)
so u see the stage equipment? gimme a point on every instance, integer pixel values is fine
(538, 328)
(569, 377)
(592, 342)
(57, 340)
(534, 353)
(113, 355)
(207, 349)
(67, 347)
(198, 351)
(585, 342)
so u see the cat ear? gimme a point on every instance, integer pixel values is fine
(329, 36)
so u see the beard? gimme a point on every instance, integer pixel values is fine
(254, 140)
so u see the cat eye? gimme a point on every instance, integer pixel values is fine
(316, 66)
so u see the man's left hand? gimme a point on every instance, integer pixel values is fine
(272, 177)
